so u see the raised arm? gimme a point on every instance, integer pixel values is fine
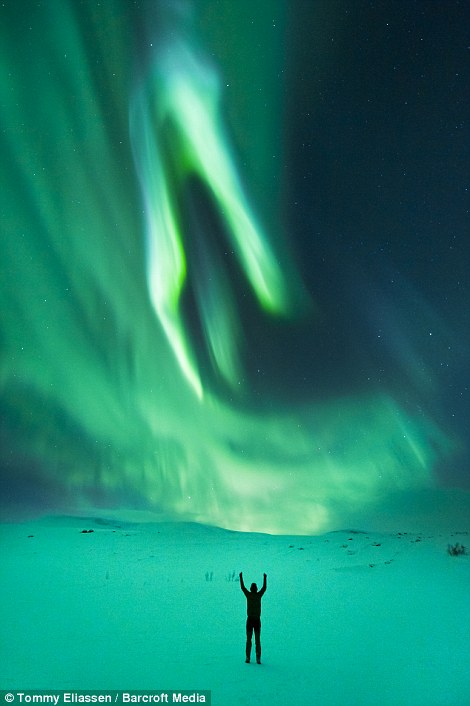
(264, 585)
(242, 584)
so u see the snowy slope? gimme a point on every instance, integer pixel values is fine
(349, 618)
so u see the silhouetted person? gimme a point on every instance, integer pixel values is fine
(253, 611)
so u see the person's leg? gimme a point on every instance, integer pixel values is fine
(257, 629)
(249, 632)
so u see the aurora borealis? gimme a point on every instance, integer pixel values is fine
(177, 138)
(234, 256)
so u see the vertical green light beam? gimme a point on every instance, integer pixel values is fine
(183, 91)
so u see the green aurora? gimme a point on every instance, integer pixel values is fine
(122, 341)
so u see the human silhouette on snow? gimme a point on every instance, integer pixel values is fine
(253, 611)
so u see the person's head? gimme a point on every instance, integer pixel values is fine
(254, 588)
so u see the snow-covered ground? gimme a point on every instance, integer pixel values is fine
(349, 618)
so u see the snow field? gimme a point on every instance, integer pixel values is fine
(349, 618)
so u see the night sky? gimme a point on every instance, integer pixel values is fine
(235, 254)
